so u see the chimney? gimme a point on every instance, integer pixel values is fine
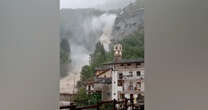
(117, 52)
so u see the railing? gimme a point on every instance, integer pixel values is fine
(124, 105)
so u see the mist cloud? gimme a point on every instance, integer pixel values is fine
(98, 4)
(83, 40)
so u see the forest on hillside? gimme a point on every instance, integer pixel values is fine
(128, 30)
(133, 48)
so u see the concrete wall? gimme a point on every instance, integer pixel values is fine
(29, 54)
(176, 50)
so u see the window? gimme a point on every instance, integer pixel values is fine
(89, 87)
(131, 96)
(131, 86)
(120, 76)
(108, 94)
(138, 73)
(122, 96)
(137, 65)
(138, 83)
(120, 82)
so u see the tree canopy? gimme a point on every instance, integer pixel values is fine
(64, 56)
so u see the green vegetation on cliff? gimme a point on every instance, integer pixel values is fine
(133, 46)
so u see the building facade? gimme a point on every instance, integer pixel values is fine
(127, 79)
(127, 76)
(120, 78)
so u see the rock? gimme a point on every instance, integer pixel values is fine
(129, 20)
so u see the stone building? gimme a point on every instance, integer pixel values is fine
(127, 76)
(102, 83)
(120, 78)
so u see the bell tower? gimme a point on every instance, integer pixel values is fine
(117, 52)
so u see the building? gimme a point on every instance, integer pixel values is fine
(68, 89)
(102, 83)
(127, 76)
(120, 78)
(90, 87)
(103, 72)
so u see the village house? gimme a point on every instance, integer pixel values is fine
(120, 78)
(102, 83)
(127, 76)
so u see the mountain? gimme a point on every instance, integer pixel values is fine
(128, 21)
(83, 28)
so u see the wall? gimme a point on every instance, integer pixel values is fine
(176, 63)
(114, 85)
(107, 74)
(29, 54)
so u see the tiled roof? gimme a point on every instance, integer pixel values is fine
(103, 68)
(103, 80)
(124, 61)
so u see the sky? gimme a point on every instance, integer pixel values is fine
(99, 4)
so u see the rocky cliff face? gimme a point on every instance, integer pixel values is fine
(128, 21)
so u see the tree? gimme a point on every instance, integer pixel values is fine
(86, 73)
(81, 98)
(65, 45)
(99, 55)
(133, 46)
(65, 58)
(84, 99)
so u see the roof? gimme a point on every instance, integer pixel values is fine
(103, 68)
(103, 80)
(125, 61)
(103, 72)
